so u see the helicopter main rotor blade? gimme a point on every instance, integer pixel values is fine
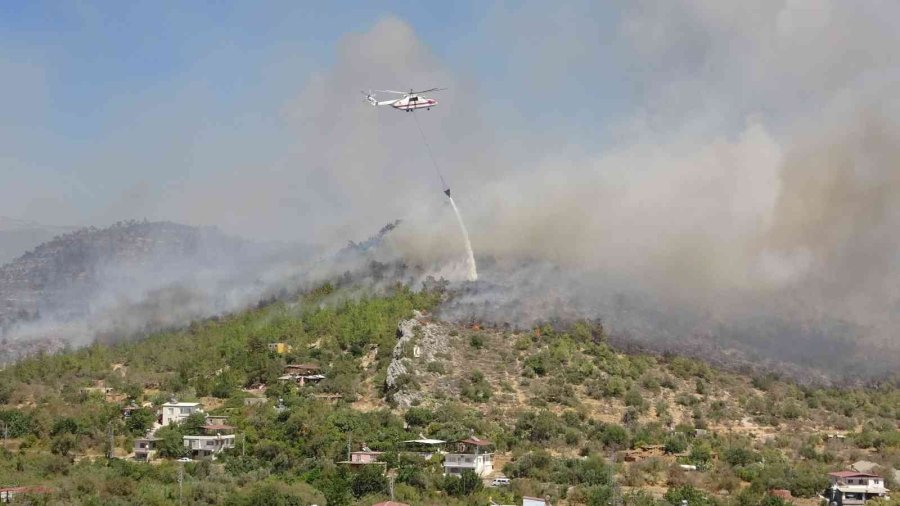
(426, 91)
(392, 91)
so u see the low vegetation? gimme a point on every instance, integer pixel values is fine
(570, 417)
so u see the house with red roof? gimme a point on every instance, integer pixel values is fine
(471, 453)
(854, 487)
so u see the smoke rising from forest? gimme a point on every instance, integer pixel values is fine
(747, 196)
(754, 201)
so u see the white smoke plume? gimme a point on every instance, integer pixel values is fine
(746, 194)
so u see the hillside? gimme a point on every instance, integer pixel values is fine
(88, 271)
(557, 403)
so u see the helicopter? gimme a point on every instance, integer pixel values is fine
(409, 101)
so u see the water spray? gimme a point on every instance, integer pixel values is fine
(471, 268)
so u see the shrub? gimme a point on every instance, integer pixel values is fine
(650, 382)
(700, 454)
(739, 456)
(476, 388)
(614, 435)
(633, 398)
(368, 480)
(468, 483)
(693, 496)
(436, 367)
(419, 417)
(676, 443)
(538, 363)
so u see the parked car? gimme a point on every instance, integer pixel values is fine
(502, 481)
(185, 459)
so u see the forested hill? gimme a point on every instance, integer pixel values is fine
(569, 417)
(90, 271)
(58, 275)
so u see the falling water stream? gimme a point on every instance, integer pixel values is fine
(472, 273)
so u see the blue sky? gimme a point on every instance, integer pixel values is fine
(102, 97)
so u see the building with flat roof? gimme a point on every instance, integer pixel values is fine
(145, 448)
(177, 412)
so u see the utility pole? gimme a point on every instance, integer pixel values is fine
(243, 444)
(349, 435)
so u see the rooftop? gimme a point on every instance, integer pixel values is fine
(181, 404)
(426, 441)
(852, 474)
(475, 441)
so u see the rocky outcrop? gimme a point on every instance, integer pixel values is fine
(419, 342)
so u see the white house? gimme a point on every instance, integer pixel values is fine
(176, 412)
(215, 439)
(208, 446)
(854, 487)
(473, 454)
(533, 501)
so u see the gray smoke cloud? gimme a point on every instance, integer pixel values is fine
(751, 204)
(746, 197)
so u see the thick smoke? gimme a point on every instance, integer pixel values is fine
(746, 197)
(127, 281)
(753, 203)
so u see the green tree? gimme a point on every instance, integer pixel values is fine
(63, 444)
(64, 426)
(369, 480)
(614, 435)
(140, 421)
(192, 425)
(676, 443)
(469, 482)
(418, 417)
(171, 442)
(739, 456)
